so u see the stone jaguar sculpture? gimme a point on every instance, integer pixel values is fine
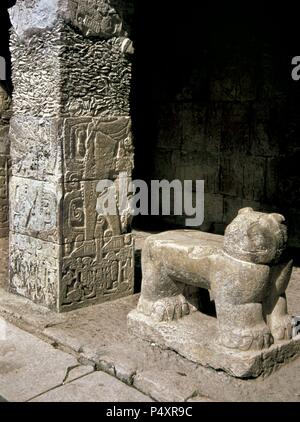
(245, 271)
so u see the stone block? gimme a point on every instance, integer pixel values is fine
(234, 85)
(71, 276)
(213, 208)
(102, 19)
(36, 73)
(236, 129)
(96, 271)
(272, 179)
(30, 366)
(81, 217)
(94, 75)
(231, 176)
(194, 124)
(36, 147)
(264, 138)
(201, 128)
(199, 166)
(166, 385)
(165, 164)
(254, 178)
(4, 205)
(78, 148)
(170, 126)
(294, 224)
(85, 258)
(35, 269)
(195, 338)
(96, 149)
(96, 387)
(4, 139)
(36, 209)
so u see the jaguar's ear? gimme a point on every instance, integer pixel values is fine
(278, 218)
(245, 210)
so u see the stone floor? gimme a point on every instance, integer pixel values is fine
(88, 355)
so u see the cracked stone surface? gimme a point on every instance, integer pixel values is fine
(29, 366)
(96, 387)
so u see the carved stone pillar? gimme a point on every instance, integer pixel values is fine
(5, 113)
(70, 129)
(4, 160)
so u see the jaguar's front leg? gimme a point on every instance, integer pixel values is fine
(161, 297)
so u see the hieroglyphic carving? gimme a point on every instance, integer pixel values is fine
(36, 148)
(102, 268)
(97, 258)
(93, 149)
(90, 271)
(93, 18)
(34, 269)
(81, 221)
(70, 130)
(35, 208)
(5, 103)
(4, 206)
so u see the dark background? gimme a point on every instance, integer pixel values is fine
(213, 99)
(4, 40)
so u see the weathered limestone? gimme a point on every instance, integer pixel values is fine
(29, 366)
(246, 273)
(4, 160)
(70, 129)
(98, 387)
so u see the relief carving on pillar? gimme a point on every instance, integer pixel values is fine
(36, 148)
(34, 269)
(94, 75)
(97, 255)
(5, 111)
(35, 208)
(99, 268)
(96, 18)
(98, 258)
(4, 207)
(97, 149)
(70, 130)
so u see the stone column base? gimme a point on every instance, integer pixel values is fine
(195, 338)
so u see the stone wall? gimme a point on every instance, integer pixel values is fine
(221, 107)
